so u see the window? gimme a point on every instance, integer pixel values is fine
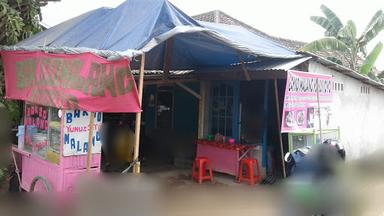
(365, 90)
(43, 132)
(36, 134)
(164, 107)
(54, 128)
(222, 109)
(338, 87)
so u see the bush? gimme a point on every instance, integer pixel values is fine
(3, 174)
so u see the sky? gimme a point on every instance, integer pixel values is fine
(281, 18)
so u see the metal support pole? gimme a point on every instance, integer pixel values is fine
(319, 110)
(136, 167)
(202, 102)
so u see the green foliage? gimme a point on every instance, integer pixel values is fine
(371, 59)
(3, 173)
(21, 19)
(331, 16)
(343, 38)
(381, 75)
(12, 21)
(327, 43)
(348, 33)
(375, 26)
(14, 111)
(335, 60)
(31, 19)
(326, 24)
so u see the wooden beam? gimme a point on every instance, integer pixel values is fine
(168, 81)
(279, 126)
(136, 166)
(246, 73)
(234, 75)
(189, 90)
(167, 61)
(90, 135)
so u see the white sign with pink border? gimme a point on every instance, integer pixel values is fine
(76, 130)
(300, 111)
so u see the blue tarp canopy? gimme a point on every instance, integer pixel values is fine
(144, 25)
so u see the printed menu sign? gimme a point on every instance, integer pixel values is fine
(37, 116)
(300, 110)
(36, 121)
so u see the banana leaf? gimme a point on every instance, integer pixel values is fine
(332, 17)
(369, 62)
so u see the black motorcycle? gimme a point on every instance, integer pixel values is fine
(312, 187)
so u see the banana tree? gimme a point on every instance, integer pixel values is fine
(343, 39)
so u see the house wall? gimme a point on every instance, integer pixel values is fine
(358, 110)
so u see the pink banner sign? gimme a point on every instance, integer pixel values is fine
(76, 81)
(300, 110)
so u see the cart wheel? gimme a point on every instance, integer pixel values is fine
(42, 179)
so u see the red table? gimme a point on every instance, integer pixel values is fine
(224, 157)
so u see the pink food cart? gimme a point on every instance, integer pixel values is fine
(53, 149)
(52, 152)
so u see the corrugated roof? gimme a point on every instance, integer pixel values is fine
(218, 16)
(282, 64)
(344, 70)
(160, 72)
(221, 17)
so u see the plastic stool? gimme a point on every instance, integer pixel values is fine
(249, 164)
(200, 165)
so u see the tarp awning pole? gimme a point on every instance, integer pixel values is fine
(89, 147)
(136, 167)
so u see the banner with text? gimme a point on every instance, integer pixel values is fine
(76, 131)
(300, 111)
(70, 81)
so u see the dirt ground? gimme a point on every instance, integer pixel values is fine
(173, 192)
(224, 196)
(358, 196)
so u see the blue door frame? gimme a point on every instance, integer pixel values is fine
(236, 114)
(265, 124)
